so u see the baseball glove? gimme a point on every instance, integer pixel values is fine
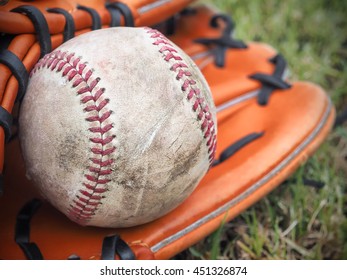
(267, 127)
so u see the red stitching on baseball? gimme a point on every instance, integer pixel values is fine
(96, 179)
(102, 163)
(161, 41)
(178, 65)
(101, 140)
(182, 73)
(66, 70)
(103, 152)
(100, 129)
(99, 190)
(77, 82)
(91, 196)
(81, 68)
(188, 85)
(170, 55)
(54, 63)
(167, 48)
(83, 200)
(96, 107)
(99, 171)
(68, 58)
(77, 203)
(98, 118)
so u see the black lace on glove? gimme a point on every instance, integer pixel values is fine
(22, 230)
(69, 29)
(235, 147)
(124, 10)
(273, 82)
(223, 43)
(96, 19)
(40, 25)
(113, 245)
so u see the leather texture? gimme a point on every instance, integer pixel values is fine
(289, 128)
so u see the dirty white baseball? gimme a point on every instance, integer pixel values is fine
(117, 127)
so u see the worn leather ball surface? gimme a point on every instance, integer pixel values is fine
(117, 127)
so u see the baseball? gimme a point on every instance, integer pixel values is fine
(117, 127)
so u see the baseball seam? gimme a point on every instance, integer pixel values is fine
(190, 88)
(96, 175)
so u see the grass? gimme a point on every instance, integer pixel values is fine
(295, 221)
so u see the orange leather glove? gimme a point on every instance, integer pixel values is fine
(267, 127)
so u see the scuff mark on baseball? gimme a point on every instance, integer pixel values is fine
(117, 127)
